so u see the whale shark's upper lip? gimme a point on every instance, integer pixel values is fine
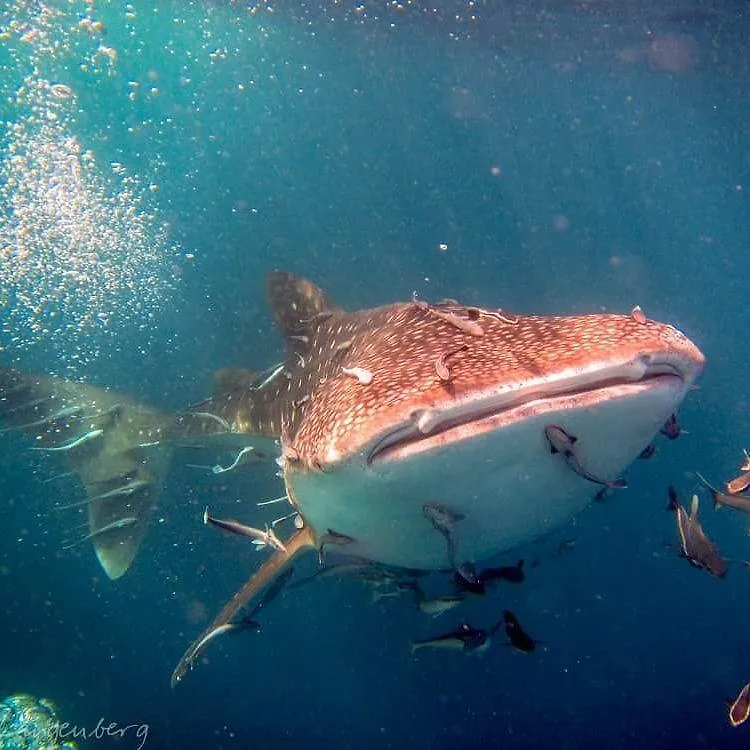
(597, 383)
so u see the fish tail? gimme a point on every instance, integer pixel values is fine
(102, 437)
(119, 449)
(712, 490)
(300, 542)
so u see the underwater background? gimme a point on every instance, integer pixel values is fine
(159, 158)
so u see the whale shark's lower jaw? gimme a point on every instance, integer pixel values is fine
(497, 471)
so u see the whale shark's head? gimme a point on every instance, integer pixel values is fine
(411, 404)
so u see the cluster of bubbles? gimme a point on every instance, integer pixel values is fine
(80, 255)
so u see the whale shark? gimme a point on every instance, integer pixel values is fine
(418, 435)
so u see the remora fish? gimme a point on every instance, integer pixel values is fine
(738, 502)
(228, 627)
(696, 547)
(463, 638)
(434, 607)
(671, 428)
(509, 573)
(267, 537)
(518, 637)
(369, 433)
(563, 442)
(742, 482)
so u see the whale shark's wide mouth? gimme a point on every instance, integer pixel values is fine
(511, 403)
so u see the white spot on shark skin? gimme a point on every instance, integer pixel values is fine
(364, 376)
(332, 455)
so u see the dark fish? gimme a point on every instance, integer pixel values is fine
(509, 573)
(467, 571)
(464, 638)
(647, 452)
(671, 429)
(246, 623)
(603, 495)
(517, 636)
(473, 587)
(674, 499)
(696, 546)
(564, 443)
(740, 709)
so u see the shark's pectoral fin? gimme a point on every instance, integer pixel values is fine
(299, 542)
(114, 446)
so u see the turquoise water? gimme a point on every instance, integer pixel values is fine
(547, 158)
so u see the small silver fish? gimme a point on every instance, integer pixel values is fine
(436, 607)
(120, 523)
(266, 538)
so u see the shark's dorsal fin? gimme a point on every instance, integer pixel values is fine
(296, 304)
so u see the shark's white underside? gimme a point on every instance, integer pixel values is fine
(500, 474)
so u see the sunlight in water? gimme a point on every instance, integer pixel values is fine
(79, 252)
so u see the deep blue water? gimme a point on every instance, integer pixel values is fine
(569, 164)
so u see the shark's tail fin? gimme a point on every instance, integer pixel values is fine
(117, 448)
(121, 450)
